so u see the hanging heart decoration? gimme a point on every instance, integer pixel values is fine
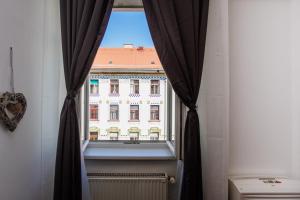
(12, 109)
(12, 105)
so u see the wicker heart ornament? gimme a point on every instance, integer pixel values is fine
(12, 109)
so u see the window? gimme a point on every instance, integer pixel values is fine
(114, 112)
(154, 133)
(134, 133)
(131, 86)
(134, 136)
(154, 112)
(154, 136)
(134, 87)
(154, 86)
(114, 86)
(94, 86)
(134, 113)
(114, 136)
(93, 112)
(113, 133)
(93, 136)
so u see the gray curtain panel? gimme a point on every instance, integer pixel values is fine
(83, 24)
(178, 29)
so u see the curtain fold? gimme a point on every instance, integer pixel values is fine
(83, 24)
(178, 29)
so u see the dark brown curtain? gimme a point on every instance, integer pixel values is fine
(178, 29)
(83, 23)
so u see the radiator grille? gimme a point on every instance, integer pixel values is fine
(128, 186)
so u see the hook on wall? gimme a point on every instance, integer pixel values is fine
(11, 59)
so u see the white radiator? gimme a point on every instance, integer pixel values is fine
(128, 186)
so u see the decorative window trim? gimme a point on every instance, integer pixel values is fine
(108, 76)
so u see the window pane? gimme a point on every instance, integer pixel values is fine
(134, 87)
(114, 86)
(154, 115)
(114, 136)
(134, 112)
(114, 112)
(154, 136)
(93, 136)
(94, 86)
(155, 87)
(94, 112)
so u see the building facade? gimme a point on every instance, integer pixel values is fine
(127, 97)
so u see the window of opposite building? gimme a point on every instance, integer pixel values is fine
(134, 136)
(93, 136)
(134, 112)
(154, 136)
(93, 112)
(114, 112)
(154, 112)
(134, 86)
(94, 86)
(114, 86)
(155, 87)
(114, 136)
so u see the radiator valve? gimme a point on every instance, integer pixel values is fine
(172, 180)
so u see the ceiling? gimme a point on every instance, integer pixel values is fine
(128, 4)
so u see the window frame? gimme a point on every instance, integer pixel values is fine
(97, 112)
(176, 127)
(117, 113)
(136, 110)
(115, 85)
(97, 133)
(157, 87)
(83, 109)
(156, 112)
(95, 85)
(173, 125)
(133, 87)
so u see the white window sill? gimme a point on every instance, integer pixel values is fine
(119, 151)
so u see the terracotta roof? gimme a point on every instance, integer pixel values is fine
(131, 58)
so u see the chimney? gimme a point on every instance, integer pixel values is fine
(140, 48)
(128, 46)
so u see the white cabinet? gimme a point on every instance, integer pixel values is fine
(242, 188)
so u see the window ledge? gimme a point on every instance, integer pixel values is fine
(133, 120)
(154, 95)
(113, 120)
(134, 95)
(120, 151)
(114, 94)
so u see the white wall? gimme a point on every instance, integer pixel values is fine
(263, 87)
(21, 25)
(26, 156)
(213, 103)
(295, 42)
(53, 94)
(264, 93)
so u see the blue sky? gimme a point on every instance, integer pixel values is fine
(127, 27)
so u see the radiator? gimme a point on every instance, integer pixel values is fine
(128, 186)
